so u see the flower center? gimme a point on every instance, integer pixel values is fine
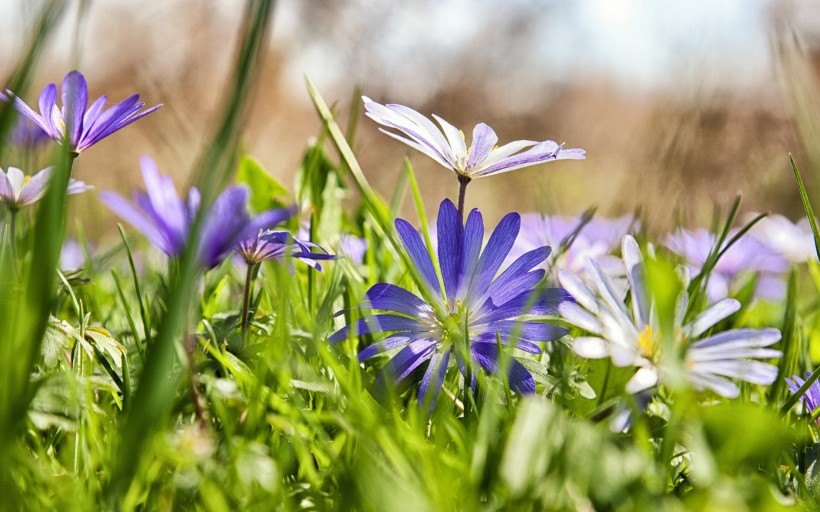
(648, 343)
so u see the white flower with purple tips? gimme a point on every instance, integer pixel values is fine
(446, 145)
(633, 338)
(18, 190)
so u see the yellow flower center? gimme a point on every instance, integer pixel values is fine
(648, 342)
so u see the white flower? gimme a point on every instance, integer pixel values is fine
(632, 338)
(18, 190)
(448, 147)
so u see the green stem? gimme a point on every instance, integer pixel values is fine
(246, 301)
(13, 235)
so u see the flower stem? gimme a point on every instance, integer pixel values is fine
(246, 301)
(463, 181)
(13, 235)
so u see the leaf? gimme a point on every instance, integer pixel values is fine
(265, 189)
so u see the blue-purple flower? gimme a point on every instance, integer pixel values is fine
(511, 306)
(448, 147)
(811, 398)
(166, 219)
(26, 134)
(268, 245)
(18, 190)
(81, 127)
(597, 238)
(746, 256)
(793, 241)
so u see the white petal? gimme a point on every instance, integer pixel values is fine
(579, 317)
(643, 379)
(590, 347)
(16, 179)
(714, 314)
(579, 291)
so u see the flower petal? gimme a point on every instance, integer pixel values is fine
(418, 254)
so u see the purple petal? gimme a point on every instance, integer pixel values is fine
(450, 233)
(139, 220)
(519, 378)
(380, 323)
(496, 250)
(394, 298)
(389, 343)
(418, 254)
(434, 375)
(406, 361)
(541, 152)
(75, 100)
(484, 140)
(473, 238)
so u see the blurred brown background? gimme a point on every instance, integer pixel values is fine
(679, 104)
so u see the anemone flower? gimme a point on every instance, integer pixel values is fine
(811, 398)
(594, 238)
(18, 190)
(745, 257)
(794, 241)
(75, 124)
(165, 219)
(448, 147)
(276, 245)
(634, 338)
(474, 309)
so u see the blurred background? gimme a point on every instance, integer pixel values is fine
(679, 104)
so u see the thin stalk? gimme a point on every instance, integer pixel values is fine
(13, 235)
(246, 301)
(463, 181)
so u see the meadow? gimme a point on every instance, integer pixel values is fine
(250, 345)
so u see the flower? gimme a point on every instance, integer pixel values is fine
(450, 148)
(811, 398)
(633, 338)
(746, 256)
(793, 241)
(595, 238)
(26, 134)
(81, 127)
(510, 306)
(268, 245)
(166, 220)
(18, 190)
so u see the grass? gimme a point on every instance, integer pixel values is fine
(129, 386)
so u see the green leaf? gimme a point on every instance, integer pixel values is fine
(265, 189)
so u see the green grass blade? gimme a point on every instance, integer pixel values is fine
(804, 196)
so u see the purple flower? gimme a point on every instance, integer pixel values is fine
(18, 190)
(474, 301)
(166, 220)
(746, 256)
(72, 256)
(450, 149)
(353, 247)
(596, 239)
(811, 398)
(81, 127)
(27, 135)
(269, 245)
(793, 241)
